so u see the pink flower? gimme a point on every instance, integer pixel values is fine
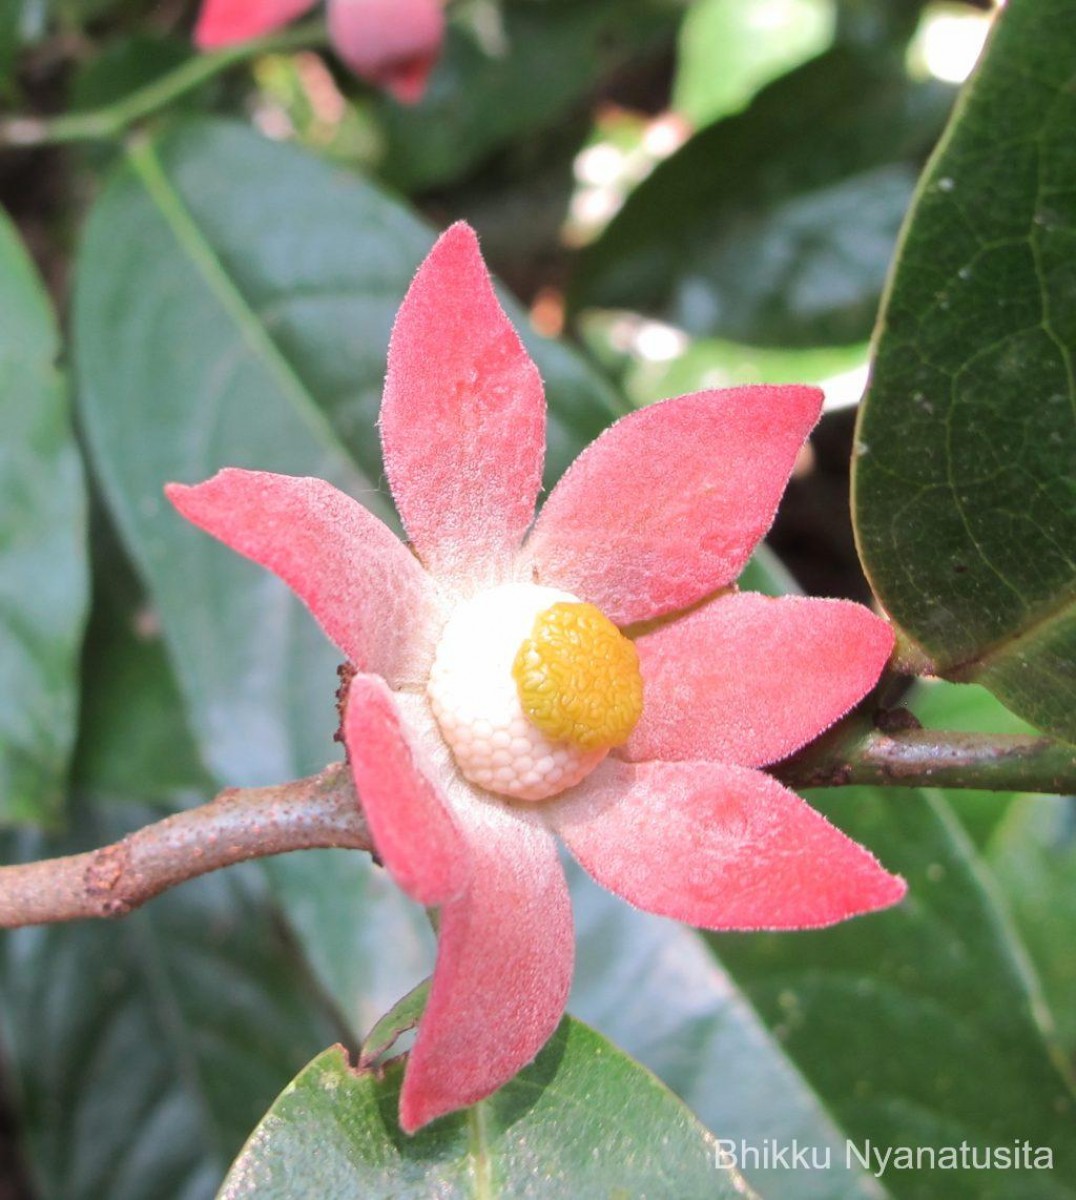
(494, 708)
(390, 43)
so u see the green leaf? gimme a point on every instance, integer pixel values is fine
(775, 227)
(653, 988)
(507, 73)
(366, 941)
(404, 1015)
(140, 1053)
(583, 1120)
(963, 490)
(134, 739)
(125, 65)
(919, 1026)
(43, 572)
(730, 48)
(1033, 858)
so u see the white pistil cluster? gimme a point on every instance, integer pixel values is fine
(476, 701)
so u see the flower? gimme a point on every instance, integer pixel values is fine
(390, 43)
(496, 701)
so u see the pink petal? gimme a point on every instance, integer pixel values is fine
(667, 505)
(504, 965)
(391, 43)
(463, 417)
(365, 590)
(415, 833)
(717, 846)
(222, 22)
(748, 679)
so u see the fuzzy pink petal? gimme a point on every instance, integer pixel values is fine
(504, 965)
(667, 505)
(414, 831)
(365, 590)
(748, 679)
(391, 43)
(463, 417)
(718, 846)
(222, 22)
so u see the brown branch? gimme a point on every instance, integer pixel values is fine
(323, 812)
(319, 812)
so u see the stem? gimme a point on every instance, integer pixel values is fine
(111, 120)
(323, 812)
(319, 812)
(925, 758)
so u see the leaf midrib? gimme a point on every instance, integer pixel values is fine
(191, 239)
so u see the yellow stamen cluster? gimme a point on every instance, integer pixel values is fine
(578, 677)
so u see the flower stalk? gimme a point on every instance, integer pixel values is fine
(113, 120)
(926, 758)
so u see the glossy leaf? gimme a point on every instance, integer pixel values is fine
(43, 571)
(583, 1119)
(654, 989)
(919, 1026)
(963, 490)
(775, 227)
(141, 1053)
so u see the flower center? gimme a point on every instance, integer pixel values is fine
(531, 688)
(578, 677)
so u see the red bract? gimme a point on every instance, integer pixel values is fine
(656, 518)
(391, 43)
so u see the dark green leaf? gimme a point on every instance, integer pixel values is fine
(919, 1026)
(775, 227)
(9, 45)
(134, 738)
(142, 1052)
(125, 65)
(43, 573)
(963, 488)
(583, 1121)
(499, 81)
(652, 987)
